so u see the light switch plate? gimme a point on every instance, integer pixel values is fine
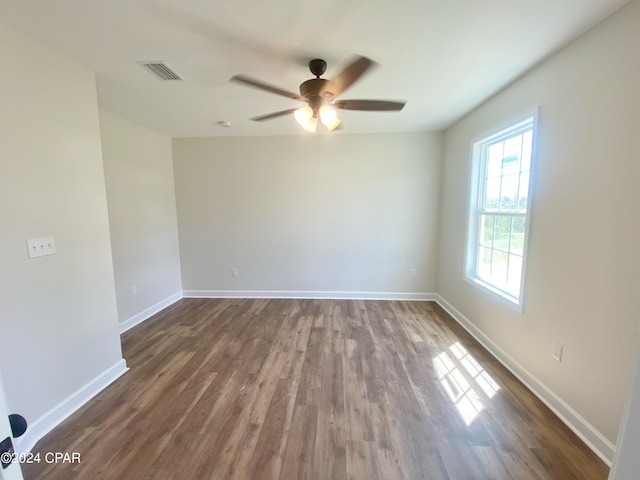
(557, 351)
(39, 247)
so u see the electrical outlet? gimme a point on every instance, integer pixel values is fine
(39, 247)
(134, 290)
(234, 272)
(412, 273)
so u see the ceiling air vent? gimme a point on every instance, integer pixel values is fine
(161, 70)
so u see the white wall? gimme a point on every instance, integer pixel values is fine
(583, 269)
(138, 170)
(328, 213)
(58, 318)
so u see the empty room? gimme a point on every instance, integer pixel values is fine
(319, 240)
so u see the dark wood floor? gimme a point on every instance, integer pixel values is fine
(312, 389)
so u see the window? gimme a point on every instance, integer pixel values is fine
(498, 211)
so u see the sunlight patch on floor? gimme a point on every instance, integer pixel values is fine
(465, 381)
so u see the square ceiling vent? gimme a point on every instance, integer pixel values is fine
(161, 70)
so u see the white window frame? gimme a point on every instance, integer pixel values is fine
(476, 196)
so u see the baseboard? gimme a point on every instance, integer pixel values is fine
(51, 419)
(145, 314)
(345, 295)
(597, 442)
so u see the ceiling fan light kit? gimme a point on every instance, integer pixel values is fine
(329, 117)
(305, 117)
(320, 95)
(308, 118)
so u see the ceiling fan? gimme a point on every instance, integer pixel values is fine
(320, 95)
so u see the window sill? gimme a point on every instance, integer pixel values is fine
(504, 298)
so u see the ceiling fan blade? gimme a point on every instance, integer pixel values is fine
(349, 75)
(269, 116)
(264, 86)
(370, 105)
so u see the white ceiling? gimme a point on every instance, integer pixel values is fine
(444, 57)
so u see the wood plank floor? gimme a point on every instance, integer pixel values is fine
(312, 389)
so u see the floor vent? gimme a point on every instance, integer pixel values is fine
(161, 70)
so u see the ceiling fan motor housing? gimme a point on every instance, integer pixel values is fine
(316, 87)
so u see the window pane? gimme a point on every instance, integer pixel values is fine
(524, 192)
(494, 162)
(486, 230)
(511, 160)
(515, 275)
(509, 191)
(499, 269)
(492, 194)
(484, 263)
(517, 235)
(502, 232)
